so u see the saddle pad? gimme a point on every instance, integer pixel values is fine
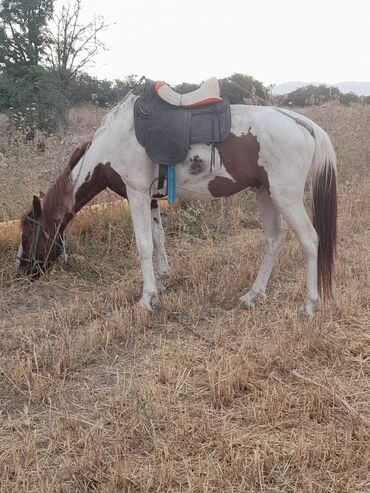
(166, 131)
(208, 93)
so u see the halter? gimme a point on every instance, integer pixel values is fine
(35, 240)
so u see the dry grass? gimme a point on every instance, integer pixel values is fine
(200, 397)
(42, 159)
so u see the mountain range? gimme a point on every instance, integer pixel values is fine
(359, 88)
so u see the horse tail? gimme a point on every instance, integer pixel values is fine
(324, 208)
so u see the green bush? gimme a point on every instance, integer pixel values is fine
(314, 95)
(240, 88)
(29, 97)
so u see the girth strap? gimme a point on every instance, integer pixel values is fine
(162, 176)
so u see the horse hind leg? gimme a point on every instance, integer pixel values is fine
(271, 223)
(295, 215)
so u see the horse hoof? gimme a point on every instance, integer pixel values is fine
(307, 312)
(246, 302)
(145, 304)
(309, 308)
(149, 302)
(154, 301)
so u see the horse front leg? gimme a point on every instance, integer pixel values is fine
(163, 269)
(141, 218)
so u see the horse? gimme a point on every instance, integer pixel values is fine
(268, 150)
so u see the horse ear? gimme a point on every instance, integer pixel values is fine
(42, 195)
(36, 206)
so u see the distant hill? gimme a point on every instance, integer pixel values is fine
(359, 88)
(290, 86)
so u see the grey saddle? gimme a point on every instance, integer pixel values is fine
(166, 130)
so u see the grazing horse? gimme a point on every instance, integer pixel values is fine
(269, 150)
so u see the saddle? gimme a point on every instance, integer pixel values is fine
(166, 122)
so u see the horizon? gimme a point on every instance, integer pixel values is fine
(270, 41)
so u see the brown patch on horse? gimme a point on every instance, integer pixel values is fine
(58, 200)
(103, 176)
(240, 158)
(324, 218)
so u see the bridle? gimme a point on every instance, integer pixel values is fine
(57, 240)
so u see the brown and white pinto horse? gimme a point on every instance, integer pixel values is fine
(269, 151)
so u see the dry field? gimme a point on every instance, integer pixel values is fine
(96, 396)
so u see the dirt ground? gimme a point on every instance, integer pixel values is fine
(201, 396)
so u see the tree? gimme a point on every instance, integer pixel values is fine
(185, 87)
(72, 48)
(28, 95)
(23, 31)
(26, 86)
(86, 88)
(312, 95)
(42, 56)
(348, 98)
(240, 88)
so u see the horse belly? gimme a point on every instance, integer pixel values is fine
(194, 175)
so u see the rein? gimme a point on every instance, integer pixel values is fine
(54, 242)
(35, 238)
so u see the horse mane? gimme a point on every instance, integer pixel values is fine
(58, 196)
(77, 154)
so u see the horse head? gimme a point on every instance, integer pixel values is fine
(41, 241)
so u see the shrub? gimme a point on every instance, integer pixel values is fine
(29, 96)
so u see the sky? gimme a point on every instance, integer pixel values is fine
(273, 41)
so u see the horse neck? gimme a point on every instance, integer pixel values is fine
(98, 178)
(61, 202)
(58, 201)
(92, 171)
(94, 183)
